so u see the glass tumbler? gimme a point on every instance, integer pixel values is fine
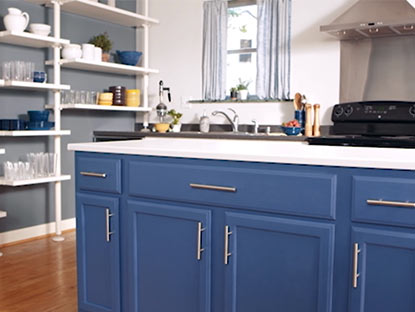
(28, 72)
(6, 70)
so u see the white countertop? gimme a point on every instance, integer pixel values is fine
(259, 151)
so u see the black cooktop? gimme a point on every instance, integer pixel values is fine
(360, 140)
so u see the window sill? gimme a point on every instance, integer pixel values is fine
(249, 101)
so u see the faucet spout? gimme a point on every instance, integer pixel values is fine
(234, 122)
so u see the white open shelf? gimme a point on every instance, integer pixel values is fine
(3, 214)
(106, 67)
(23, 133)
(34, 181)
(30, 40)
(35, 86)
(102, 12)
(2, 151)
(101, 107)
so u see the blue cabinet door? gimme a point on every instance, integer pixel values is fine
(168, 250)
(385, 264)
(98, 253)
(277, 264)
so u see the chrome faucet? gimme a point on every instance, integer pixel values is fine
(234, 122)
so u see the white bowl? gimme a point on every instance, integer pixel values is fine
(40, 29)
(71, 51)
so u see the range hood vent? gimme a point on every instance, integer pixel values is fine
(373, 19)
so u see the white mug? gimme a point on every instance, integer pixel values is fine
(88, 51)
(98, 54)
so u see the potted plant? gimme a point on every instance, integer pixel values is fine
(175, 124)
(103, 41)
(234, 93)
(243, 89)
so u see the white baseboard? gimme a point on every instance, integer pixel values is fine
(34, 231)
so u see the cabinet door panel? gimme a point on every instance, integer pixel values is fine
(163, 271)
(98, 259)
(386, 264)
(278, 265)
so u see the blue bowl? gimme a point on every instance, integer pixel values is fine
(291, 130)
(40, 125)
(129, 57)
(38, 115)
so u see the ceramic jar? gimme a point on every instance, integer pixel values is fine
(88, 51)
(133, 98)
(16, 20)
(71, 51)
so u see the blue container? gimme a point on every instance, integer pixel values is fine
(35, 115)
(39, 76)
(299, 115)
(291, 130)
(40, 125)
(129, 57)
(12, 124)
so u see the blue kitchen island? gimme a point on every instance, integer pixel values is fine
(192, 225)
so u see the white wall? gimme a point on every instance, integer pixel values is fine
(176, 50)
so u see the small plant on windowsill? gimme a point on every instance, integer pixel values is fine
(243, 89)
(175, 123)
(234, 93)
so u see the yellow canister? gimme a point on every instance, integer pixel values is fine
(133, 98)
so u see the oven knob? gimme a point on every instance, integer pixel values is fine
(338, 111)
(348, 111)
(412, 110)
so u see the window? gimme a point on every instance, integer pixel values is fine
(241, 45)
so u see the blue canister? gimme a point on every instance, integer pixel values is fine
(39, 76)
(299, 115)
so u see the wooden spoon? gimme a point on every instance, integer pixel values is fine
(297, 101)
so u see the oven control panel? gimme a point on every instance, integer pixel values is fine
(380, 111)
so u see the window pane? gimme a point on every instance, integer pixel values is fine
(242, 33)
(245, 71)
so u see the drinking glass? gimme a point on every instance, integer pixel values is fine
(82, 97)
(94, 97)
(6, 70)
(52, 163)
(8, 170)
(29, 69)
(78, 97)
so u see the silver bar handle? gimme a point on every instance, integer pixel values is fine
(380, 202)
(213, 187)
(93, 174)
(200, 229)
(227, 253)
(108, 214)
(356, 275)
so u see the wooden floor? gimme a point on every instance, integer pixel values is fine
(39, 276)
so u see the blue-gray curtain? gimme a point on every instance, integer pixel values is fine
(215, 19)
(274, 49)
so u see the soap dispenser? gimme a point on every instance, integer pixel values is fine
(204, 123)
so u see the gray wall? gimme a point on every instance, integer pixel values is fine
(33, 205)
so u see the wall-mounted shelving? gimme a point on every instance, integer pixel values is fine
(34, 181)
(30, 40)
(102, 107)
(25, 133)
(35, 86)
(102, 12)
(106, 67)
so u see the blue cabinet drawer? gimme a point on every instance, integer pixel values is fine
(384, 200)
(98, 174)
(238, 185)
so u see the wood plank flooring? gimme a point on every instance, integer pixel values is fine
(39, 276)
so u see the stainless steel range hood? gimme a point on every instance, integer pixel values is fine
(372, 19)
